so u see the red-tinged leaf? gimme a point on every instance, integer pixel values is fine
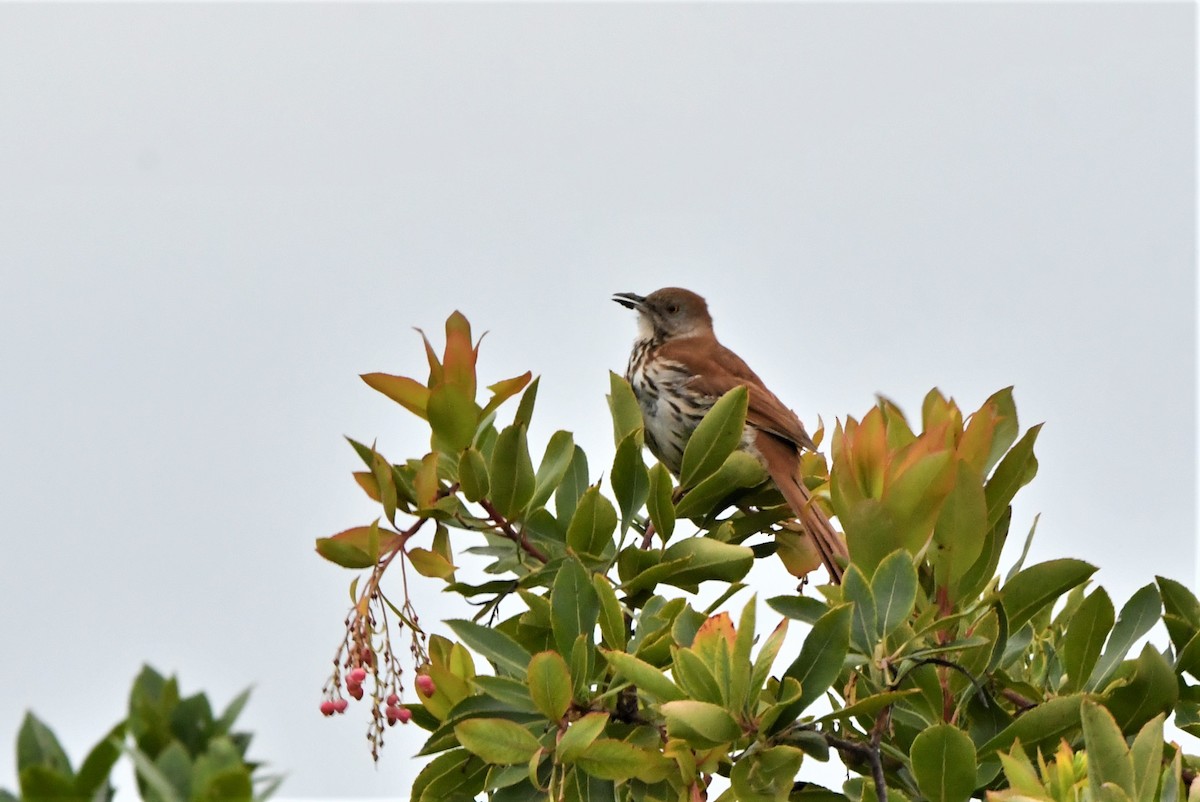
(504, 390)
(367, 482)
(937, 410)
(976, 442)
(408, 393)
(435, 366)
(899, 433)
(352, 548)
(458, 364)
(868, 453)
(715, 628)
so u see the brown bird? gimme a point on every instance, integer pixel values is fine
(678, 370)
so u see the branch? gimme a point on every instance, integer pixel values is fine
(507, 530)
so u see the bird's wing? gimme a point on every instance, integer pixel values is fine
(717, 370)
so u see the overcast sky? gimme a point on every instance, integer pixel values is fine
(213, 217)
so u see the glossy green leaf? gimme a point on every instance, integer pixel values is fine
(1046, 723)
(701, 724)
(798, 608)
(610, 759)
(866, 707)
(38, 746)
(554, 466)
(591, 529)
(958, 535)
(658, 502)
(1151, 688)
(473, 475)
(1182, 611)
(1007, 426)
(511, 472)
(1146, 755)
(623, 404)
(612, 620)
(740, 470)
(574, 606)
(352, 548)
(715, 438)
(894, 589)
(493, 644)
(1108, 756)
(943, 761)
(695, 677)
(524, 414)
(820, 660)
(630, 480)
(1086, 632)
(549, 682)
(454, 775)
(579, 736)
(497, 740)
(647, 678)
(863, 630)
(1138, 615)
(707, 559)
(1039, 586)
(97, 766)
(1016, 470)
(410, 394)
(453, 417)
(572, 486)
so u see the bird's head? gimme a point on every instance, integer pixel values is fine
(669, 313)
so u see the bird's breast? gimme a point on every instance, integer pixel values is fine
(670, 409)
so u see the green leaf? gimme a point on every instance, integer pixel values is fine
(658, 503)
(626, 412)
(701, 724)
(410, 394)
(961, 526)
(357, 547)
(648, 679)
(453, 417)
(554, 466)
(866, 707)
(38, 746)
(695, 677)
(707, 559)
(1108, 756)
(525, 407)
(571, 488)
(630, 479)
(766, 658)
(574, 606)
(740, 470)
(1006, 429)
(580, 735)
(1146, 754)
(856, 589)
(496, 740)
(96, 768)
(511, 472)
(455, 775)
(1182, 611)
(40, 783)
(592, 526)
(1016, 470)
(798, 608)
(1138, 615)
(820, 660)
(1039, 586)
(473, 475)
(152, 776)
(549, 682)
(943, 761)
(1086, 632)
(609, 759)
(503, 651)
(612, 621)
(1150, 689)
(715, 438)
(1046, 723)
(894, 588)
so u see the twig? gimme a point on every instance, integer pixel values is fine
(1019, 700)
(507, 530)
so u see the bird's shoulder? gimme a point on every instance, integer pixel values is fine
(716, 370)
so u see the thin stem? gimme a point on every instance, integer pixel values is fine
(507, 530)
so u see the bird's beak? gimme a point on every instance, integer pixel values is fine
(629, 300)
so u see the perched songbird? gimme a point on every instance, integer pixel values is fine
(678, 370)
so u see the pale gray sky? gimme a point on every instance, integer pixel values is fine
(212, 217)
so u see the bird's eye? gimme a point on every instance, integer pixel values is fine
(673, 308)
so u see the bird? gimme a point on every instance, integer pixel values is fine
(678, 369)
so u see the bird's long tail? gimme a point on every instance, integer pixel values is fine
(828, 542)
